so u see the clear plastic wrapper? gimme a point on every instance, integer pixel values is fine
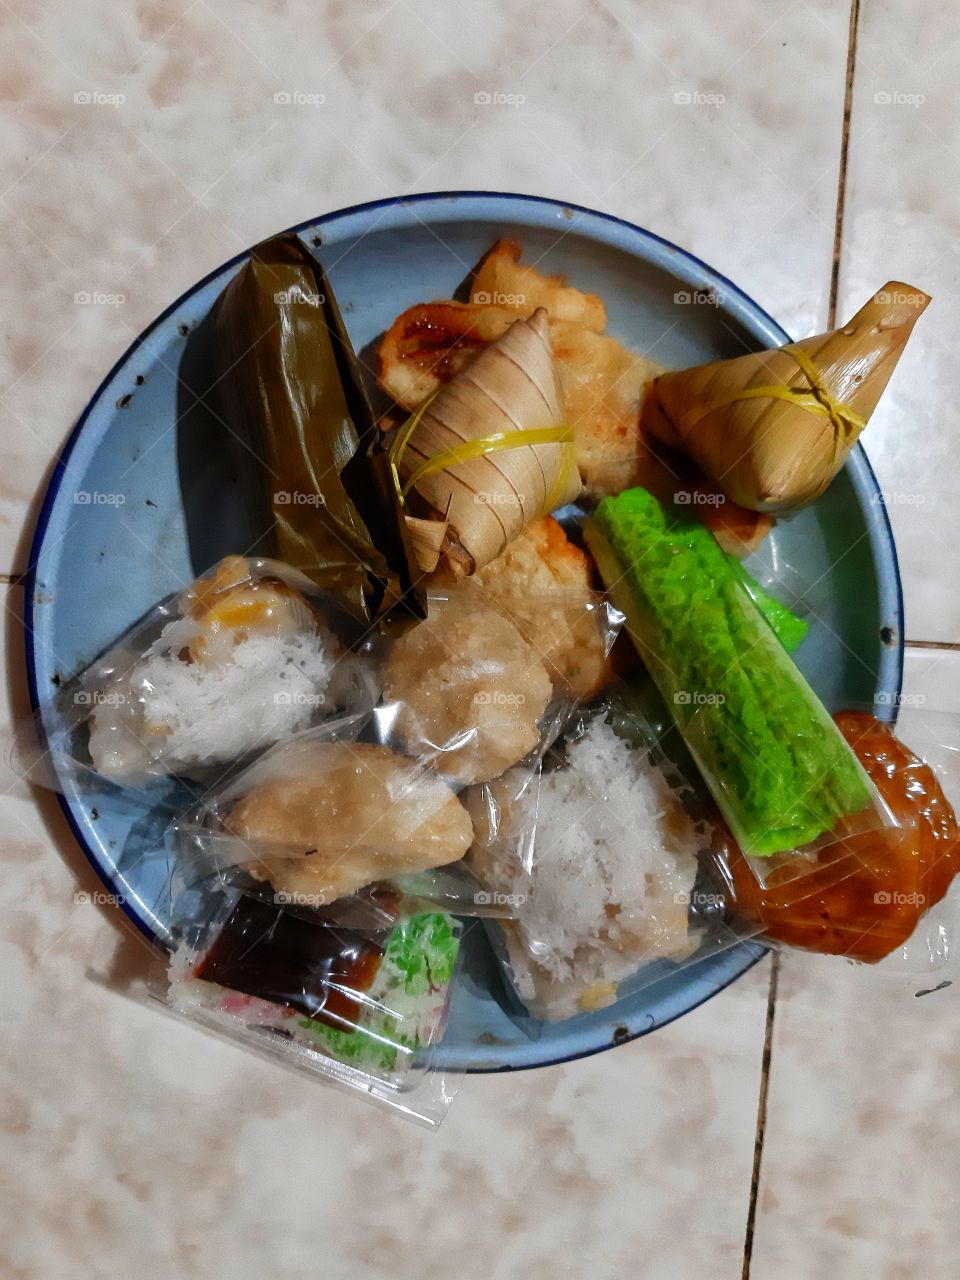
(770, 595)
(481, 690)
(622, 890)
(362, 1007)
(252, 654)
(768, 576)
(325, 814)
(335, 810)
(787, 784)
(248, 655)
(241, 682)
(896, 907)
(481, 687)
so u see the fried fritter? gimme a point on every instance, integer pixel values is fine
(602, 383)
(469, 686)
(342, 815)
(543, 581)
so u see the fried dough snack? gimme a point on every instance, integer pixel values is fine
(469, 686)
(543, 581)
(602, 383)
(342, 815)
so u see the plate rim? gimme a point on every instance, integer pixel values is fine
(880, 532)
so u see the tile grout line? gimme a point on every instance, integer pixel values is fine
(951, 646)
(761, 1114)
(844, 149)
(775, 963)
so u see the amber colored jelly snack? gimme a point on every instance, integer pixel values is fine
(902, 871)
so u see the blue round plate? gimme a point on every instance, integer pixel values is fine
(98, 562)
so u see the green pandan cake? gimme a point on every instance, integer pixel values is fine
(409, 991)
(775, 762)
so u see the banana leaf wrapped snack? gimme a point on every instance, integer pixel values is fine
(773, 428)
(291, 392)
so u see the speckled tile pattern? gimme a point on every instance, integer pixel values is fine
(902, 222)
(149, 143)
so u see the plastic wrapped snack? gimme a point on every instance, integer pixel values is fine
(249, 654)
(544, 583)
(361, 1007)
(333, 811)
(326, 814)
(620, 887)
(780, 772)
(252, 654)
(892, 903)
(474, 686)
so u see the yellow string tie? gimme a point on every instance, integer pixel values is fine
(847, 423)
(471, 450)
(567, 466)
(400, 441)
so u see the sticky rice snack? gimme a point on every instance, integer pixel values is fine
(614, 864)
(245, 657)
(776, 765)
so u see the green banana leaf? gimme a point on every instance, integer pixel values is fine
(291, 392)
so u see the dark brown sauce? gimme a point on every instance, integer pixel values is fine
(319, 969)
(900, 873)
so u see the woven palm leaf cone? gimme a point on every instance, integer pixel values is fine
(486, 501)
(770, 453)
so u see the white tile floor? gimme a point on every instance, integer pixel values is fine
(130, 1146)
